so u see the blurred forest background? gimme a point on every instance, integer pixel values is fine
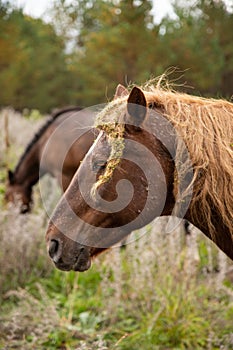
(90, 46)
(162, 291)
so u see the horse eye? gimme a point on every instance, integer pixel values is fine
(99, 165)
(151, 105)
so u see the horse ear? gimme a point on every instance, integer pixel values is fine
(11, 177)
(136, 105)
(121, 91)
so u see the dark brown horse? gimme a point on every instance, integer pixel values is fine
(53, 150)
(158, 153)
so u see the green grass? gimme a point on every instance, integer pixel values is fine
(183, 313)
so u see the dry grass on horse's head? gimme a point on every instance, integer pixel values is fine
(108, 120)
(206, 127)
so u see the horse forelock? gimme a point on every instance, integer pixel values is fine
(110, 120)
(113, 113)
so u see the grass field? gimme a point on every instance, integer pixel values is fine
(162, 291)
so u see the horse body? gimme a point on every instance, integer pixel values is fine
(170, 175)
(53, 150)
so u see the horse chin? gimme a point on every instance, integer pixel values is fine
(82, 265)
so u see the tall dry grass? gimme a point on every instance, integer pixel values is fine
(22, 249)
(184, 258)
(20, 130)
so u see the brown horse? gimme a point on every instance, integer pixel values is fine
(158, 153)
(51, 151)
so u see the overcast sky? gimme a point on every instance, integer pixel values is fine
(37, 8)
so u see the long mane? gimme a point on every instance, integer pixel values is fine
(206, 128)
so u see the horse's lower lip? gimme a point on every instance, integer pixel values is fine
(63, 267)
(82, 266)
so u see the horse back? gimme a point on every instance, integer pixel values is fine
(65, 143)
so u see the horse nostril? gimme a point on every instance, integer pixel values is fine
(53, 248)
(24, 209)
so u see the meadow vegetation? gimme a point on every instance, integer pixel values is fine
(162, 291)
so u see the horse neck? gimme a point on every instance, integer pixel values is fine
(27, 171)
(222, 236)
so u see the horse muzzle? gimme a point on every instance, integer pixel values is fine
(70, 256)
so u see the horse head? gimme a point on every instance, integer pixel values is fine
(18, 193)
(125, 181)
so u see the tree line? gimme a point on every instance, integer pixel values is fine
(90, 46)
